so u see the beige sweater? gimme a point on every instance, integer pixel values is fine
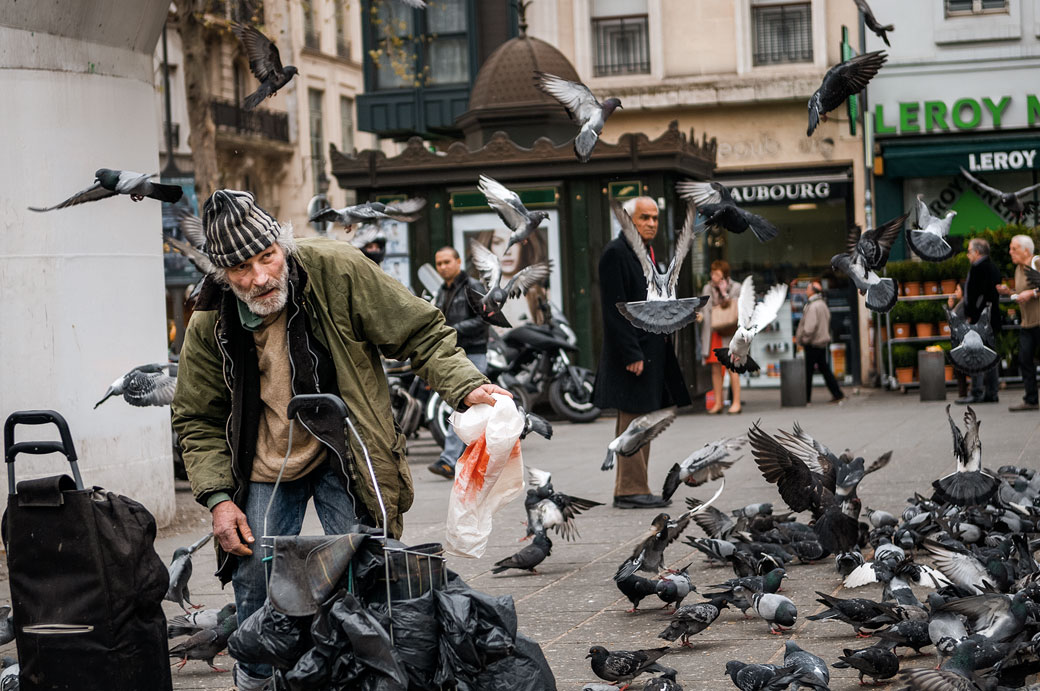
(815, 326)
(272, 439)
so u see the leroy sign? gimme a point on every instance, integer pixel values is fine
(941, 116)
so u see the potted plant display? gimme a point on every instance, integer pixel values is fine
(894, 270)
(950, 276)
(912, 279)
(903, 359)
(930, 274)
(946, 346)
(901, 316)
(926, 314)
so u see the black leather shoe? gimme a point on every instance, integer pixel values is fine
(968, 400)
(641, 501)
(991, 399)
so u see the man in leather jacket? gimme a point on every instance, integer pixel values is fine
(472, 337)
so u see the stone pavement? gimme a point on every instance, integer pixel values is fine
(572, 603)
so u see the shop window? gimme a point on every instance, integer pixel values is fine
(782, 32)
(620, 29)
(314, 102)
(956, 8)
(420, 48)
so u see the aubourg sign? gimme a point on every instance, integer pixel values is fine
(964, 114)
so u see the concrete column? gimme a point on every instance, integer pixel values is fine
(82, 287)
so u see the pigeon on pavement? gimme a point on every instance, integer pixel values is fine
(6, 625)
(876, 662)
(690, 620)
(751, 318)
(928, 240)
(715, 203)
(586, 112)
(661, 311)
(529, 557)
(972, 352)
(841, 81)
(180, 574)
(665, 682)
(776, 610)
(993, 616)
(970, 484)
(703, 465)
(906, 634)
(511, 210)
(625, 665)
(640, 432)
(109, 183)
(635, 588)
(404, 211)
(192, 623)
(673, 588)
(860, 613)
(145, 385)
(264, 62)
(873, 24)
(867, 253)
(768, 583)
(1012, 201)
(547, 508)
(814, 672)
(489, 305)
(206, 644)
(754, 677)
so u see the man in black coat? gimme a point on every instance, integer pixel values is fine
(980, 290)
(638, 371)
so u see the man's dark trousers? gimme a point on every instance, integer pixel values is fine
(817, 357)
(1028, 340)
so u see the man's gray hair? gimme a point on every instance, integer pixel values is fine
(285, 239)
(630, 205)
(980, 246)
(1025, 242)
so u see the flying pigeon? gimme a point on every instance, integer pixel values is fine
(1012, 201)
(405, 211)
(876, 662)
(511, 210)
(841, 81)
(547, 508)
(489, 305)
(624, 665)
(714, 201)
(145, 385)
(971, 352)
(867, 253)
(928, 241)
(109, 183)
(706, 463)
(814, 672)
(754, 677)
(640, 432)
(689, 620)
(873, 24)
(926, 679)
(661, 311)
(586, 112)
(206, 644)
(192, 623)
(529, 557)
(264, 62)
(776, 610)
(751, 318)
(180, 574)
(199, 259)
(970, 484)
(535, 423)
(665, 682)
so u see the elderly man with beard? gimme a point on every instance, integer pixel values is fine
(280, 318)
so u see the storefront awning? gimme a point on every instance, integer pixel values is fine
(921, 157)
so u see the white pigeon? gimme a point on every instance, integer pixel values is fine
(751, 318)
(929, 240)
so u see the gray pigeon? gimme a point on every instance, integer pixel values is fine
(867, 253)
(206, 644)
(593, 686)
(873, 24)
(547, 508)
(625, 665)
(199, 259)
(970, 484)
(714, 201)
(928, 240)
(417, 4)
(754, 677)
(640, 432)
(703, 465)
(972, 352)
(776, 610)
(586, 112)
(1012, 201)
(192, 623)
(529, 557)
(690, 620)
(876, 662)
(489, 305)
(535, 423)
(109, 183)
(9, 679)
(674, 587)
(264, 62)
(814, 672)
(841, 81)
(405, 211)
(180, 574)
(145, 385)
(511, 210)
(665, 682)
(6, 625)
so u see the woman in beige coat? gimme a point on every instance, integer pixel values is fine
(722, 292)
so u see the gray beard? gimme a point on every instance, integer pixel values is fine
(272, 305)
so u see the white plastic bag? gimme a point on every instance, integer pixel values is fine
(489, 475)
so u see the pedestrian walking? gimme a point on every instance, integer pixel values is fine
(718, 325)
(638, 371)
(1021, 250)
(471, 335)
(980, 291)
(280, 318)
(814, 335)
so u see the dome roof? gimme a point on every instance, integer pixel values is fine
(506, 79)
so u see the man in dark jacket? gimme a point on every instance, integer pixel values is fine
(980, 290)
(472, 336)
(638, 371)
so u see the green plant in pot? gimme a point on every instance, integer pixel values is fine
(925, 317)
(902, 313)
(912, 278)
(904, 357)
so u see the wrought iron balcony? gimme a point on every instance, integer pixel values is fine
(263, 123)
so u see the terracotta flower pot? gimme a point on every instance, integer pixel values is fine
(944, 328)
(924, 330)
(901, 330)
(912, 288)
(904, 375)
(949, 372)
(931, 287)
(948, 286)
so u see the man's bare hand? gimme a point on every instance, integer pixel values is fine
(1003, 289)
(482, 394)
(635, 368)
(232, 529)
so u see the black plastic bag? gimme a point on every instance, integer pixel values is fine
(525, 670)
(415, 637)
(269, 637)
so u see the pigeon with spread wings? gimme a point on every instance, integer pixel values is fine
(706, 463)
(751, 318)
(969, 484)
(972, 350)
(640, 432)
(873, 24)
(586, 112)
(867, 253)
(405, 211)
(489, 305)
(1012, 201)
(511, 210)
(145, 385)
(264, 62)
(841, 81)
(928, 241)
(661, 312)
(109, 183)
(715, 202)
(547, 508)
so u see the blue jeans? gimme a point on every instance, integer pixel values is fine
(336, 511)
(453, 446)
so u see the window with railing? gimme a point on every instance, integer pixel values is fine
(311, 39)
(413, 48)
(342, 42)
(782, 33)
(314, 102)
(955, 8)
(622, 45)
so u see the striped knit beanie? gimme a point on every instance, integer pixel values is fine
(236, 228)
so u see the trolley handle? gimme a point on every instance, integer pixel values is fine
(38, 417)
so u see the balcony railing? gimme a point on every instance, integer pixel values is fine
(176, 132)
(622, 45)
(782, 34)
(263, 123)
